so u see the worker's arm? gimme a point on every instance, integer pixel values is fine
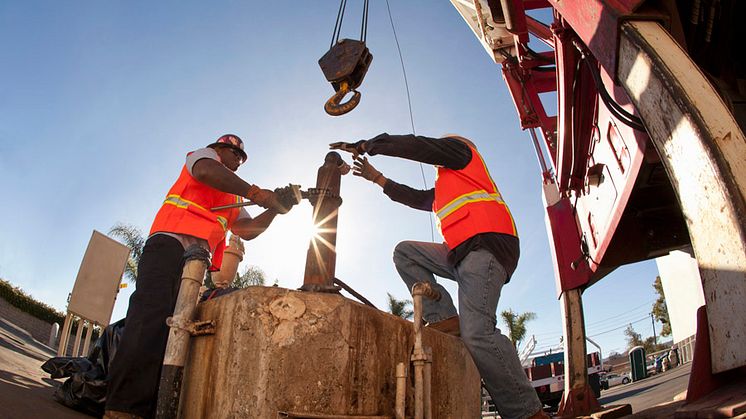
(248, 228)
(205, 167)
(446, 152)
(415, 198)
(215, 174)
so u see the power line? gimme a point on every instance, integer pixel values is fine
(617, 328)
(619, 322)
(620, 314)
(411, 114)
(622, 319)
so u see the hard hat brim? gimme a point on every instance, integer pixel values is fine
(243, 153)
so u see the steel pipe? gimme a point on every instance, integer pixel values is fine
(321, 258)
(401, 390)
(420, 355)
(177, 348)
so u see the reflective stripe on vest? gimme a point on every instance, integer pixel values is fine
(468, 198)
(180, 202)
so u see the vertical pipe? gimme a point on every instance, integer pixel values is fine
(417, 357)
(78, 334)
(64, 336)
(232, 257)
(428, 383)
(321, 257)
(417, 303)
(177, 348)
(419, 396)
(401, 390)
(420, 357)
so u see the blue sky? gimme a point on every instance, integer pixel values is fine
(100, 102)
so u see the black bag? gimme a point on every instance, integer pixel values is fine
(85, 390)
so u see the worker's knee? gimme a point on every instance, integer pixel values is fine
(475, 332)
(402, 252)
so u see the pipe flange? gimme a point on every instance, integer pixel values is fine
(194, 328)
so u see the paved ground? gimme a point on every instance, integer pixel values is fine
(26, 390)
(653, 396)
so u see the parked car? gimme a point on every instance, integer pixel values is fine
(614, 379)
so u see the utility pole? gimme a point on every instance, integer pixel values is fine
(655, 338)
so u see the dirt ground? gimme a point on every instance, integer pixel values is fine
(26, 390)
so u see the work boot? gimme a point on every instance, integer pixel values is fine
(113, 414)
(449, 326)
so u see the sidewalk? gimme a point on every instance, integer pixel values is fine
(26, 390)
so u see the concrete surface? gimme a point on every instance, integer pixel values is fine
(278, 350)
(26, 390)
(653, 396)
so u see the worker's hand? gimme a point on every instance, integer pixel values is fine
(266, 199)
(364, 169)
(356, 149)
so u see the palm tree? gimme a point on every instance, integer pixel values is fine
(517, 324)
(399, 307)
(134, 239)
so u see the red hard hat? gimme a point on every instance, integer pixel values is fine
(232, 141)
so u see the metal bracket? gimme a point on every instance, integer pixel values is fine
(313, 195)
(194, 328)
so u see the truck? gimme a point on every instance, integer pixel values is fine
(547, 376)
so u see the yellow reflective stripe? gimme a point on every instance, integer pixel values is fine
(487, 171)
(512, 221)
(180, 202)
(468, 198)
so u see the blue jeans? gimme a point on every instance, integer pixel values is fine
(480, 278)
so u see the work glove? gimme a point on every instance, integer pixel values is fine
(364, 169)
(288, 196)
(356, 149)
(266, 199)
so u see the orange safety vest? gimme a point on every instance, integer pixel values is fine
(186, 210)
(467, 202)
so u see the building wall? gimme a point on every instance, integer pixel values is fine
(682, 287)
(38, 329)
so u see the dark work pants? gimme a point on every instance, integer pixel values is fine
(136, 368)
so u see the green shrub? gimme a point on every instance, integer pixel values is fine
(24, 302)
(19, 299)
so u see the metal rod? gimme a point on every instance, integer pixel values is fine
(354, 293)
(169, 389)
(236, 205)
(539, 154)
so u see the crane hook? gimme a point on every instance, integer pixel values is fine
(334, 107)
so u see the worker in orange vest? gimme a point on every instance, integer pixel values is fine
(480, 253)
(207, 180)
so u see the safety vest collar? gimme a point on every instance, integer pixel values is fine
(468, 198)
(180, 202)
